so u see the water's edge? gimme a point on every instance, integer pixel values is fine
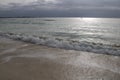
(65, 44)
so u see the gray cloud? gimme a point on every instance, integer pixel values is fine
(105, 8)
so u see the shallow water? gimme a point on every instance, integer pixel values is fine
(99, 35)
(42, 62)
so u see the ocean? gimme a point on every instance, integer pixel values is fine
(98, 35)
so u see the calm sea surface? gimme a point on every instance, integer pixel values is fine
(104, 31)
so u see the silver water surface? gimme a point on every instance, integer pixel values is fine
(97, 30)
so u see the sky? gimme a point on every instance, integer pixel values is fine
(59, 8)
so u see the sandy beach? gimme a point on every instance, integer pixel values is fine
(25, 61)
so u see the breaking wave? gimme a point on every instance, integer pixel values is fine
(65, 43)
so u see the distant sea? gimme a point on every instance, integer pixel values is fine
(99, 35)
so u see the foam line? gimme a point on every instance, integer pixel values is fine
(64, 44)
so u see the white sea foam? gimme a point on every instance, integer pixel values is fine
(64, 44)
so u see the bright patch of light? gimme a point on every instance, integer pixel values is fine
(89, 19)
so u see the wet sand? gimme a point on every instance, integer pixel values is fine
(24, 61)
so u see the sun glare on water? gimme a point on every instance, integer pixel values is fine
(89, 19)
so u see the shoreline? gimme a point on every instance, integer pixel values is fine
(99, 48)
(25, 61)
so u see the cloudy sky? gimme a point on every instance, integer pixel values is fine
(60, 8)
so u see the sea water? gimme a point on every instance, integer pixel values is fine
(99, 35)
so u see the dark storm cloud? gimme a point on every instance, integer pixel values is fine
(91, 4)
(87, 8)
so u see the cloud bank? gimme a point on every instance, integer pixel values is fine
(60, 8)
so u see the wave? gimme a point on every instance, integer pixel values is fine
(65, 43)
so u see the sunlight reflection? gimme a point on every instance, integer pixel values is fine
(89, 19)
